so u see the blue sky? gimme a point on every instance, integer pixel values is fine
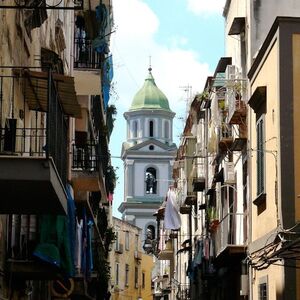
(185, 40)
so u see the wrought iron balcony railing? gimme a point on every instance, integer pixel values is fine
(85, 57)
(85, 157)
(22, 232)
(41, 4)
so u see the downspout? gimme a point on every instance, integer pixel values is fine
(249, 166)
(190, 252)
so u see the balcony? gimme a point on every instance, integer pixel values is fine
(137, 255)
(183, 292)
(225, 138)
(185, 209)
(199, 183)
(167, 253)
(36, 5)
(33, 160)
(85, 168)
(85, 57)
(230, 235)
(22, 240)
(235, 98)
(191, 199)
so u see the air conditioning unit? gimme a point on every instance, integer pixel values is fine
(244, 291)
(199, 151)
(229, 175)
(231, 72)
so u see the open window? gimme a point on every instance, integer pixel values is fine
(151, 128)
(151, 181)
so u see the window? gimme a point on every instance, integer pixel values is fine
(150, 180)
(143, 280)
(117, 274)
(166, 129)
(263, 291)
(117, 245)
(136, 242)
(150, 232)
(260, 156)
(127, 275)
(127, 240)
(135, 129)
(151, 147)
(151, 128)
(136, 277)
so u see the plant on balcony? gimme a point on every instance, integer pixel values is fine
(109, 238)
(111, 112)
(110, 179)
(212, 217)
(204, 96)
(239, 89)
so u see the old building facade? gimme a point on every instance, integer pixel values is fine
(54, 158)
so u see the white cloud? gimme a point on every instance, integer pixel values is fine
(134, 42)
(173, 68)
(206, 6)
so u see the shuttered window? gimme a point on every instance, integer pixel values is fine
(260, 156)
(263, 291)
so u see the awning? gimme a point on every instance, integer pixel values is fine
(36, 91)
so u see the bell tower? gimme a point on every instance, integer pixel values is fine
(148, 154)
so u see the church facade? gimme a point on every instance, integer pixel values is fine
(148, 154)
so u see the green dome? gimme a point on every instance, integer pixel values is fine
(150, 96)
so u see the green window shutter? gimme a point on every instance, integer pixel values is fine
(260, 156)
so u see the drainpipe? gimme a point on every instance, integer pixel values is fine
(190, 251)
(48, 112)
(249, 166)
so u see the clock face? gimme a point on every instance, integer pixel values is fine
(62, 287)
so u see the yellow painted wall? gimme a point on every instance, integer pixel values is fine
(130, 291)
(146, 267)
(265, 222)
(274, 279)
(296, 92)
(268, 76)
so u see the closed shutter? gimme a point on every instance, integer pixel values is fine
(260, 156)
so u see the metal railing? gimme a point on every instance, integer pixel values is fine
(57, 131)
(47, 137)
(230, 232)
(22, 236)
(85, 157)
(96, 113)
(85, 57)
(236, 94)
(183, 292)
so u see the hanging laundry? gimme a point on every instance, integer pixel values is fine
(172, 217)
(198, 252)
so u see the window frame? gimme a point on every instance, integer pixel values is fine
(260, 156)
(135, 129)
(126, 275)
(117, 273)
(151, 128)
(127, 239)
(166, 130)
(136, 277)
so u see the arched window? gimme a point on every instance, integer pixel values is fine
(151, 128)
(151, 182)
(135, 129)
(166, 128)
(150, 232)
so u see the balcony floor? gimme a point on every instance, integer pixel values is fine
(30, 185)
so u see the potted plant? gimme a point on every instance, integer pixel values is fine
(212, 218)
